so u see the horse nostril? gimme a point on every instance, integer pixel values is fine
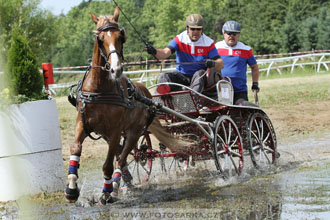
(112, 70)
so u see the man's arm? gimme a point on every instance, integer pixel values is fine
(219, 64)
(163, 53)
(255, 77)
(159, 53)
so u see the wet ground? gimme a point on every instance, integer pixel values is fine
(299, 188)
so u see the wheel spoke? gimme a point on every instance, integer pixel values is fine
(264, 153)
(235, 153)
(224, 131)
(255, 136)
(257, 127)
(221, 152)
(229, 133)
(269, 149)
(266, 138)
(256, 147)
(262, 129)
(225, 161)
(233, 162)
(234, 142)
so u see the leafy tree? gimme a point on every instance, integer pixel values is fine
(323, 30)
(22, 72)
(38, 26)
(290, 42)
(267, 26)
(308, 34)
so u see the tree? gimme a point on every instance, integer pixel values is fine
(36, 24)
(323, 30)
(22, 73)
(308, 34)
(290, 41)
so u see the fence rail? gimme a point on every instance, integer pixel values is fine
(319, 60)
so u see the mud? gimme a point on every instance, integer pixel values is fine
(298, 188)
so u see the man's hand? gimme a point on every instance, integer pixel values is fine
(209, 63)
(151, 50)
(255, 86)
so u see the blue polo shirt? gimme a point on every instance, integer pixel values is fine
(236, 60)
(189, 51)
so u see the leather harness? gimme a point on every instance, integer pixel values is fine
(109, 97)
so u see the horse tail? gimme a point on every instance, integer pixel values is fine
(166, 137)
(158, 130)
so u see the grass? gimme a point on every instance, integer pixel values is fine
(291, 89)
(277, 92)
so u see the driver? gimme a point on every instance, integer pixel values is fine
(192, 46)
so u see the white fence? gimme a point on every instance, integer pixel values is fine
(317, 59)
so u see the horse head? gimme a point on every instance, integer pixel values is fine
(110, 39)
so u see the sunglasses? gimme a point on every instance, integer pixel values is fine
(231, 33)
(195, 29)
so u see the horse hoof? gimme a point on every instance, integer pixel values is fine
(277, 155)
(105, 199)
(71, 195)
(127, 177)
(114, 194)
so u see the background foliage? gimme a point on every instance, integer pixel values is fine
(271, 26)
(22, 72)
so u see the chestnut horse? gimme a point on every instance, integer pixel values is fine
(107, 108)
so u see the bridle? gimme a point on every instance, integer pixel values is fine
(109, 26)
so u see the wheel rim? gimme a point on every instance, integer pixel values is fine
(228, 150)
(261, 141)
(140, 162)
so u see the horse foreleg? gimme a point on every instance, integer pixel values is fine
(72, 191)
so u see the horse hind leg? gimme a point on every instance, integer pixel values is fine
(121, 164)
(111, 179)
(126, 175)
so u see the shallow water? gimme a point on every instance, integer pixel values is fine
(298, 189)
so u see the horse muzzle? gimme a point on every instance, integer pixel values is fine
(116, 71)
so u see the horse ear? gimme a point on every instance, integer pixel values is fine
(116, 14)
(94, 18)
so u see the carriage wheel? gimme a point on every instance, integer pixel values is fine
(227, 147)
(262, 141)
(140, 161)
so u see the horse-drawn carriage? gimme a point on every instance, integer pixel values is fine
(212, 128)
(192, 125)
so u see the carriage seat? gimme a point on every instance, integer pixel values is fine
(225, 92)
(218, 87)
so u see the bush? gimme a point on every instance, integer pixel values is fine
(22, 72)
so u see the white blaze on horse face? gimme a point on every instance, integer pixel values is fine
(114, 60)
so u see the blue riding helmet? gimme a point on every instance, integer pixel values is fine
(231, 26)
